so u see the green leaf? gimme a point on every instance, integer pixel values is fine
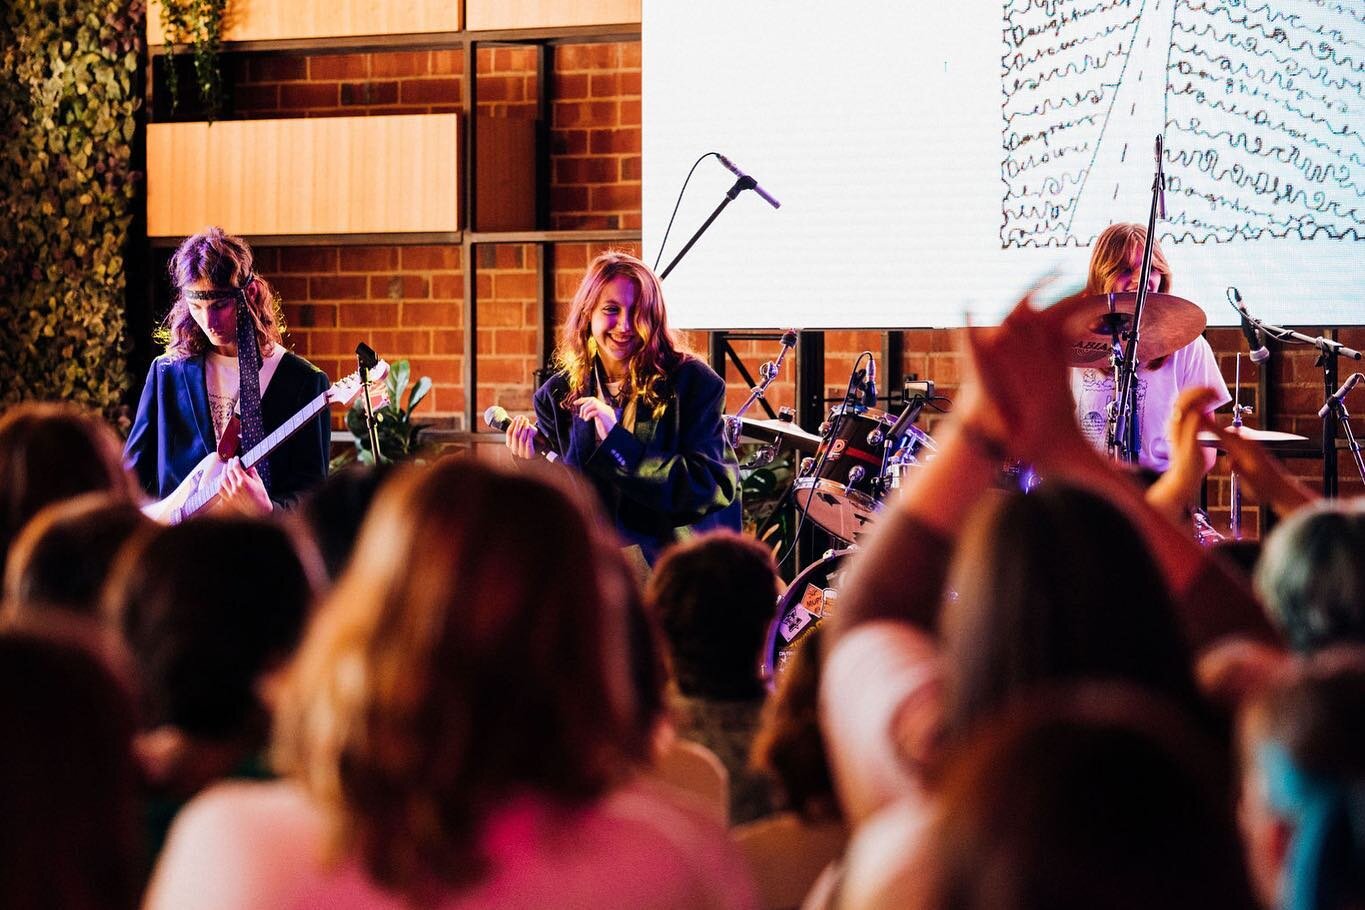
(418, 392)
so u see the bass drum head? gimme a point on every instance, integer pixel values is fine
(836, 510)
(811, 597)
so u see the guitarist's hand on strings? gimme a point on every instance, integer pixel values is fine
(242, 491)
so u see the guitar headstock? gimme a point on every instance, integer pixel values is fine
(347, 389)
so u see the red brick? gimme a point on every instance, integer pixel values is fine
(395, 345)
(441, 370)
(631, 168)
(499, 313)
(501, 88)
(339, 66)
(483, 342)
(625, 141)
(603, 114)
(515, 285)
(483, 286)
(628, 84)
(569, 113)
(630, 221)
(308, 259)
(368, 314)
(311, 316)
(399, 287)
(602, 85)
(571, 256)
(569, 142)
(430, 91)
(368, 258)
(334, 343)
(446, 399)
(569, 198)
(447, 287)
(360, 93)
(290, 287)
(447, 341)
(304, 95)
(444, 63)
(575, 222)
(401, 63)
(630, 55)
(514, 370)
(514, 341)
(572, 57)
(629, 114)
(255, 98)
(616, 197)
(340, 287)
(278, 69)
(569, 86)
(431, 257)
(431, 314)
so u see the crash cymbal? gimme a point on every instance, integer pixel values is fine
(757, 429)
(1208, 440)
(1168, 324)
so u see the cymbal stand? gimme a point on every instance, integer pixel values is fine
(1234, 483)
(766, 373)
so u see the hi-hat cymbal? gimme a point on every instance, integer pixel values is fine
(1209, 440)
(782, 431)
(1168, 324)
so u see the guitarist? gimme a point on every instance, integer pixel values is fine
(194, 401)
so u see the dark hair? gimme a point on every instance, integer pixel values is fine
(206, 608)
(50, 452)
(1097, 796)
(790, 744)
(226, 262)
(64, 555)
(714, 597)
(1312, 576)
(1305, 734)
(441, 678)
(1041, 598)
(69, 831)
(333, 512)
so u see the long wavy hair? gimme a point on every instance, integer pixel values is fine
(660, 352)
(438, 684)
(1116, 247)
(225, 261)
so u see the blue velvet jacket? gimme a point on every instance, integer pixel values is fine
(670, 474)
(173, 430)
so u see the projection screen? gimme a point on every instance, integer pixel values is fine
(932, 159)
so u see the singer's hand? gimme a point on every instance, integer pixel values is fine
(599, 412)
(521, 434)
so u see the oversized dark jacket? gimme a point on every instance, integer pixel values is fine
(670, 474)
(173, 430)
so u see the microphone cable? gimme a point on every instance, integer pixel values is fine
(663, 243)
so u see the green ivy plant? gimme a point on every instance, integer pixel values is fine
(69, 88)
(198, 23)
(398, 434)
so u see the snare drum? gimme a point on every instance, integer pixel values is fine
(843, 487)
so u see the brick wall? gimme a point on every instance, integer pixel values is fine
(408, 300)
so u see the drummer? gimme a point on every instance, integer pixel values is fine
(1115, 267)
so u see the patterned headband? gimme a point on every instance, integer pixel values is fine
(219, 293)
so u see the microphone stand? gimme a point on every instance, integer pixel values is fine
(743, 183)
(1329, 352)
(366, 359)
(1124, 437)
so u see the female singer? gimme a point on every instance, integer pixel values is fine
(1115, 267)
(193, 388)
(635, 413)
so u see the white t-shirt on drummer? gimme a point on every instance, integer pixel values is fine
(1192, 365)
(222, 378)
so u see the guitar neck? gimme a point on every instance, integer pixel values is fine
(253, 456)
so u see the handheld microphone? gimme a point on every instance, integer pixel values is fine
(1254, 336)
(498, 419)
(753, 184)
(870, 388)
(1340, 394)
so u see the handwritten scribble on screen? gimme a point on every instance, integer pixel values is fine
(1261, 105)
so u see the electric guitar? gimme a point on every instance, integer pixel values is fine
(203, 483)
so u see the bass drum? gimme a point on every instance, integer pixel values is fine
(812, 596)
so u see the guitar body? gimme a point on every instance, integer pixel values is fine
(207, 475)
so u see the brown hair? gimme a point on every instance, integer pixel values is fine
(50, 452)
(227, 263)
(1116, 247)
(442, 677)
(661, 350)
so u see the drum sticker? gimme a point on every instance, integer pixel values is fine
(797, 618)
(813, 600)
(837, 449)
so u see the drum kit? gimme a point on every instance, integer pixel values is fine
(861, 453)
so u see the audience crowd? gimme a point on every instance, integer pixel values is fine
(445, 685)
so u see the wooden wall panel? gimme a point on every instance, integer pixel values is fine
(500, 14)
(329, 175)
(268, 20)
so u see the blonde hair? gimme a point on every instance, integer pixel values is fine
(660, 352)
(1115, 249)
